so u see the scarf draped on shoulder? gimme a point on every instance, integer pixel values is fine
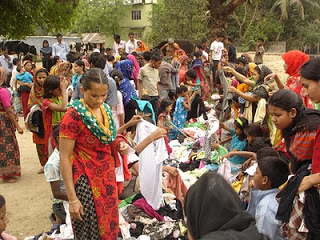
(104, 130)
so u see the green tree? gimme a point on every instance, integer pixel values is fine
(180, 19)
(286, 6)
(103, 16)
(20, 18)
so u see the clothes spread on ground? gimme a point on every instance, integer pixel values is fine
(150, 164)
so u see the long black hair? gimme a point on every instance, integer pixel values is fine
(286, 100)
(241, 123)
(310, 70)
(164, 104)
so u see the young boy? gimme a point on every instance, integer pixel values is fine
(53, 176)
(23, 75)
(258, 57)
(271, 173)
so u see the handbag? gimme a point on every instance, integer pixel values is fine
(24, 89)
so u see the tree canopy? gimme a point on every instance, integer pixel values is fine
(20, 18)
(102, 16)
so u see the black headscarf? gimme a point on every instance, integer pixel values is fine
(214, 211)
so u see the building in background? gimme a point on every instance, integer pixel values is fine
(137, 20)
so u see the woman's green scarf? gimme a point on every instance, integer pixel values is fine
(104, 131)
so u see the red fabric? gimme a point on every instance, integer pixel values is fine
(47, 124)
(166, 141)
(24, 100)
(177, 186)
(316, 154)
(295, 85)
(126, 172)
(92, 158)
(294, 60)
(142, 203)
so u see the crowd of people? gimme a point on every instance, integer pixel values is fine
(166, 144)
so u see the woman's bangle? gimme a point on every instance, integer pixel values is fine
(73, 202)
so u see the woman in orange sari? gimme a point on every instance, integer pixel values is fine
(141, 47)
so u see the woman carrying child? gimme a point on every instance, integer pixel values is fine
(88, 150)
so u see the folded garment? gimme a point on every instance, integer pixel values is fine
(142, 203)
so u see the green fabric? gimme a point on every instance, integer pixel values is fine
(56, 116)
(126, 201)
(218, 154)
(316, 106)
(92, 123)
(195, 124)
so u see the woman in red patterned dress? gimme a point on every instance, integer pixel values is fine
(88, 160)
(293, 60)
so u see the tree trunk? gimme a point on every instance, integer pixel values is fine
(219, 14)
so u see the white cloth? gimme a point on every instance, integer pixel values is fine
(52, 172)
(118, 110)
(150, 165)
(6, 64)
(261, 111)
(131, 46)
(13, 78)
(116, 46)
(216, 48)
(61, 50)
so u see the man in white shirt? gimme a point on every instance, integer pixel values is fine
(132, 44)
(60, 48)
(215, 55)
(118, 44)
(6, 63)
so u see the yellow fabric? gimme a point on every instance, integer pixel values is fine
(103, 125)
(252, 66)
(243, 87)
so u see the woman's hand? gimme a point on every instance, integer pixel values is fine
(158, 133)
(20, 130)
(64, 83)
(246, 164)
(135, 120)
(221, 125)
(123, 148)
(270, 76)
(76, 210)
(232, 89)
(228, 69)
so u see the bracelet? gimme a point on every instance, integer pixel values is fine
(73, 202)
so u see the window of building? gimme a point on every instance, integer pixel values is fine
(136, 15)
(138, 1)
(137, 35)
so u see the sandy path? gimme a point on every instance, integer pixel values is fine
(29, 200)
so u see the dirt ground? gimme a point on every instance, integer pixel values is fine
(29, 200)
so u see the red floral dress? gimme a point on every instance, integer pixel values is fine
(94, 177)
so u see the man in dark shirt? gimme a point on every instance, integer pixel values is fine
(232, 51)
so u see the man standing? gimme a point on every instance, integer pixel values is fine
(132, 44)
(165, 84)
(6, 63)
(215, 56)
(258, 57)
(148, 81)
(232, 51)
(118, 44)
(60, 48)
